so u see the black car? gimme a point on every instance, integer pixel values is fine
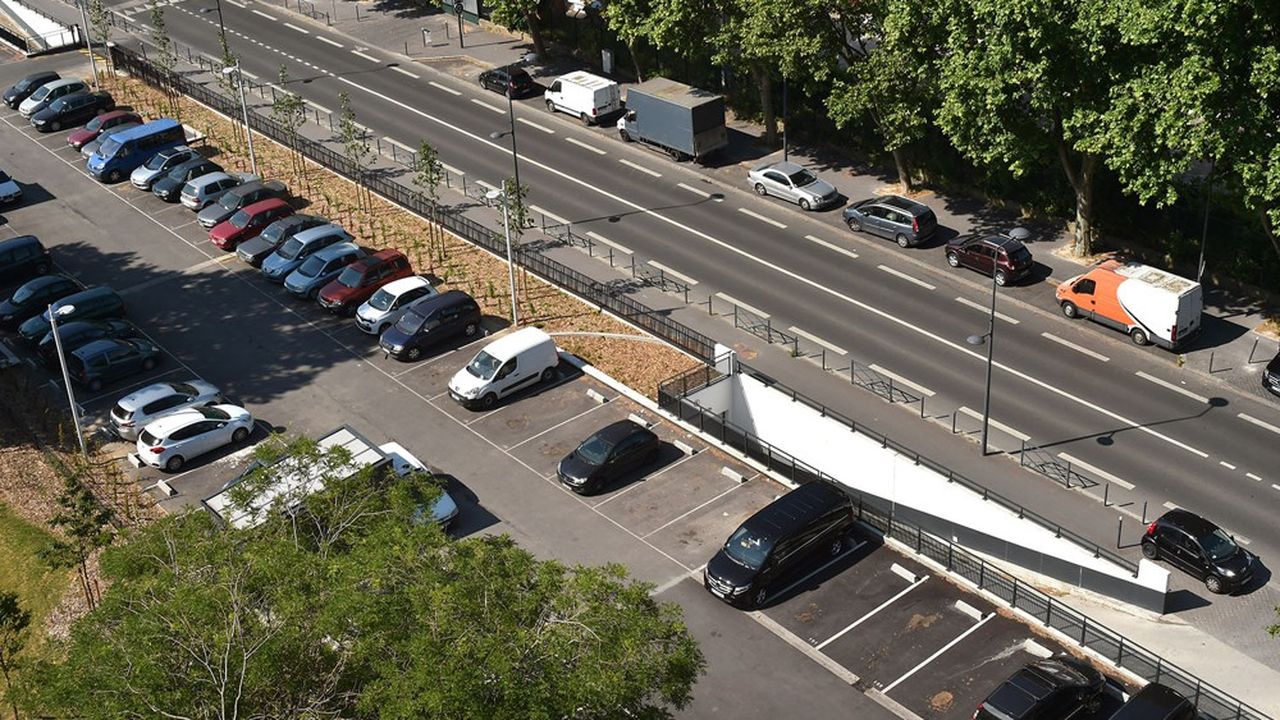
(103, 361)
(169, 187)
(1156, 702)
(255, 250)
(609, 454)
(34, 298)
(240, 196)
(71, 111)
(22, 258)
(82, 332)
(1004, 256)
(1201, 549)
(429, 322)
(900, 219)
(813, 518)
(22, 89)
(509, 80)
(1271, 375)
(93, 303)
(1053, 689)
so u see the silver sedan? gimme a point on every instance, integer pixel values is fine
(789, 181)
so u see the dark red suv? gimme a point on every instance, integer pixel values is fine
(1004, 256)
(361, 279)
(247, 222)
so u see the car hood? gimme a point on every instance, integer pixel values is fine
(574, 466)
(33, 328)
(298, 281)
(8, 187)
(276, 265)
(27, 105)
(463, 381)
(224, 231)
(726, 570)
(167, 184)
(819, 188)
(254, 246)
(1237, 564)
(82, 136)
(213, 215)
(143, 173)
(394, 336)
(46, 113)
(335, 292)
(369, 313)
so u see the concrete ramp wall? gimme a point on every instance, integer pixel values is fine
(33, 32)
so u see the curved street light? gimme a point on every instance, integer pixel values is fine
(511, 266)
(64, 311)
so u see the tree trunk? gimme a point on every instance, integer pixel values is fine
(635, 60)
(535, 32)
(904, 172)
(1270, 231)
(1082, 184)
(765, 81)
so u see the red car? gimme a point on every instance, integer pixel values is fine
(247, 222)
(96, 126)
(361, 279)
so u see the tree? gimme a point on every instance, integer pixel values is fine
(166, 55)
(100, 22)
(684, 28)
(85, 525)
(428, 173)
(523, 15)
(288, 110)
(517, 212)
(355, 143)
(14, 620)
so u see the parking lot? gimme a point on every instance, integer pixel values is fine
(926, 644)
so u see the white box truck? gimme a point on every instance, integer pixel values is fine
(585, 96)
(1150, 305)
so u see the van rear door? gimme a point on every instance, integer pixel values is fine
(1190, 307)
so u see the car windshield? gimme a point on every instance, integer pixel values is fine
(24, 293)
(272, 233)
(350, 277)
(747, 548)
(312, 266)
(4, 176)
(156, 162)
(230, 201)
(183, 388)
(213, 413)
(594, 450)
(94, 124)
(59, 104)
(240, 219)
(410, 322)
(381, 300)
(23, 84)
(1218, 545)
(189, 190)
(484, 365)
(109, 147)
(290, 249)
(40, 92)
(1020, 254)
(802, 178)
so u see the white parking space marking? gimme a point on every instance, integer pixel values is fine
(536, 126)
(674, 273)
(762, 218)
(324, 39)
(539, 434)
(908, 278)
(831, 246)
(1097, 471)
(585, 146)
(697, 191)
(987, 309)
(888, 688)
(1259, 423)
(843, 673)
(635, 485)
(819, 341)
(913, 385)
(1226, 465)
(641, 168)
(259, 13)
(915, 584)
(445, 88)
(291, 26)
(366, 56)
(691, 511)
(615, 245)
(1073, 346)
(402, 71)
(549, 214)
(734, 301)
(487, 106)
(996, 424)
(1171, 386)
(1251, 476)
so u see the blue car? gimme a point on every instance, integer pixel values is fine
(290, 256)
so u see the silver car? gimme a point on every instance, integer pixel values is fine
(159, 165)
(789, 181)
(138, 408)
(9, 189)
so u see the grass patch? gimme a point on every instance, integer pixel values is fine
(39, 588)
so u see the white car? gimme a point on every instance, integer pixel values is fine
(9, 190)
(385, 307)
(137, 409)
(403, 462)
(174, 439)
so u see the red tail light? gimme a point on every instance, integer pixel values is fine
(915, 224)
(157, 449)
(1151, 529)
(1173, 334)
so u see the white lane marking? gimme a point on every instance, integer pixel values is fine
(536, 126)
(1226, 465)
(549, 214)
(366, 56)
(941, 650)
(734, 301)
(445, 88)
(324, 39)
(1275, 486)
(487, 106)
(1171, 506)
(398, 144)
(1073, 346)
(452, 169)
(815, 339)
(790, 274)
(995, 423)
(908, 278)
(616, 246)
(246, 72)
(402, 71)
(641, 168)
(659, 589)
(1096, 471)
(291, 26)
(319, 107)
(1171, 386)
(262, 14)
(871, 613)
(484, 184)
(698, 191)
(987, 309)
(831, 246)
(691, 511)
(238, 4)
(913, 385)
(1251, 476)
(674, 273)
(762, 218)
(583, 145)
(845, 675)
(1259, 423)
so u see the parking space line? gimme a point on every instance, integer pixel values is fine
(908, 278)
(445, 88)
(815, 339)
(987, 309)
(995, 423)
(585, 146)
(693, 510)
(831, 246)
(783, 592)
(535, 436)
(870, 614)
(734, 301)
(941, 650)
(1097, 471)
(1073, 346)
(1259, 423)
(674, 273)
(1171, 386)
(615, 245)
(913, 385)
(847, 676)
(324, 39)
(536, 126)
(762, 218)
(641, 168)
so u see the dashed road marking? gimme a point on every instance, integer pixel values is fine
(549, 214)
(259, 13)
(585, 146)
(908, 278)
(699, 191)
(487, 106)
(831, 246)
(291, 26)
(762, 218)
(762, 314)
(616, 246)
(445, 88)
(1251, 476)
(366, 56)
(913, 385)
(238, 4)
(1226, 465)
(996, 424)
(324, 39)
(675, 273)
(1097, 471)
(819, 341)
(1275, 486)
(402, 71)
(536, 126)
(1168, 385)
(641, 168)
(1259, 423)
(1073, 346)
(987, 309)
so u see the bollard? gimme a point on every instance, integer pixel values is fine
(1106, 492)
(1119, 530)
(1144, 512)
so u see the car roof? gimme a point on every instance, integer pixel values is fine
(169, 422)
(311, 234)
(113, 114)
(379, 257)
(188, 164)
(50, 74)
(141, 397)
(514, 343)
(18, 241)
(336, 250)
(793, 510)
(154, 126)
(613, 433)
(300, 218)
(62, 82)
(44, 281)
(404, 285)
(91, 293)
(1189, 521)
(785, 167)
(209, 178)
(263, 205)
(178, 150)
(902, 203)
(1153, 702)
(444, 299)
(99, 346)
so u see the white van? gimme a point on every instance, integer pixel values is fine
(589, 97)
(506, 365)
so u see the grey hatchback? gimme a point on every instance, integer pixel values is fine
(900, 219)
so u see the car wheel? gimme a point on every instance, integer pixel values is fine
(95, 385)
(902, 240)
(174, 463)
(413, 354)
(42, 268)
(1001, 278)
(837, 545)
(1150, 551)
(676, 155)
(488, 401)
(1138, 336)
(760, 596)
(804, 205)
(853, 224)
(470, 330)
(626, 136)
(953, 259)
(551, 107)
(1070, 310)
(760, 190)
(55, 126)
(149, 364)
(1213, 584)
(239, 435)
(548, 375)
(585, 118)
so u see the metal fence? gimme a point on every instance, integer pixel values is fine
(880, 515)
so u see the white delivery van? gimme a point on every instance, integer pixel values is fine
(510, 363)
(1150, 305)
(586, 96)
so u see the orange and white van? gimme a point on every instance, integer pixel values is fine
(1149, 304)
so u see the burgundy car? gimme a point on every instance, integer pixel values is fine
(1001, 256)
(361, 279)
(247, 222)
(99, 124)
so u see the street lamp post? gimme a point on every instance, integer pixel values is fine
(66, 376)
(498, 135)
(244, 106)
(990, 340)
(88, 41)
(511, 266)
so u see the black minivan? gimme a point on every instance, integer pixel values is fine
(812, 518)
(430, 321)
(34, 297)
(21, 259)
(93, 303)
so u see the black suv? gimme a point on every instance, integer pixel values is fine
(71, 111)
(22, 89)
(900, 219)
(810, 519)
(1271, 375)
(430, 321)
(1156, 702)
(509, 80)
(1200, 548)
(1054, 689)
